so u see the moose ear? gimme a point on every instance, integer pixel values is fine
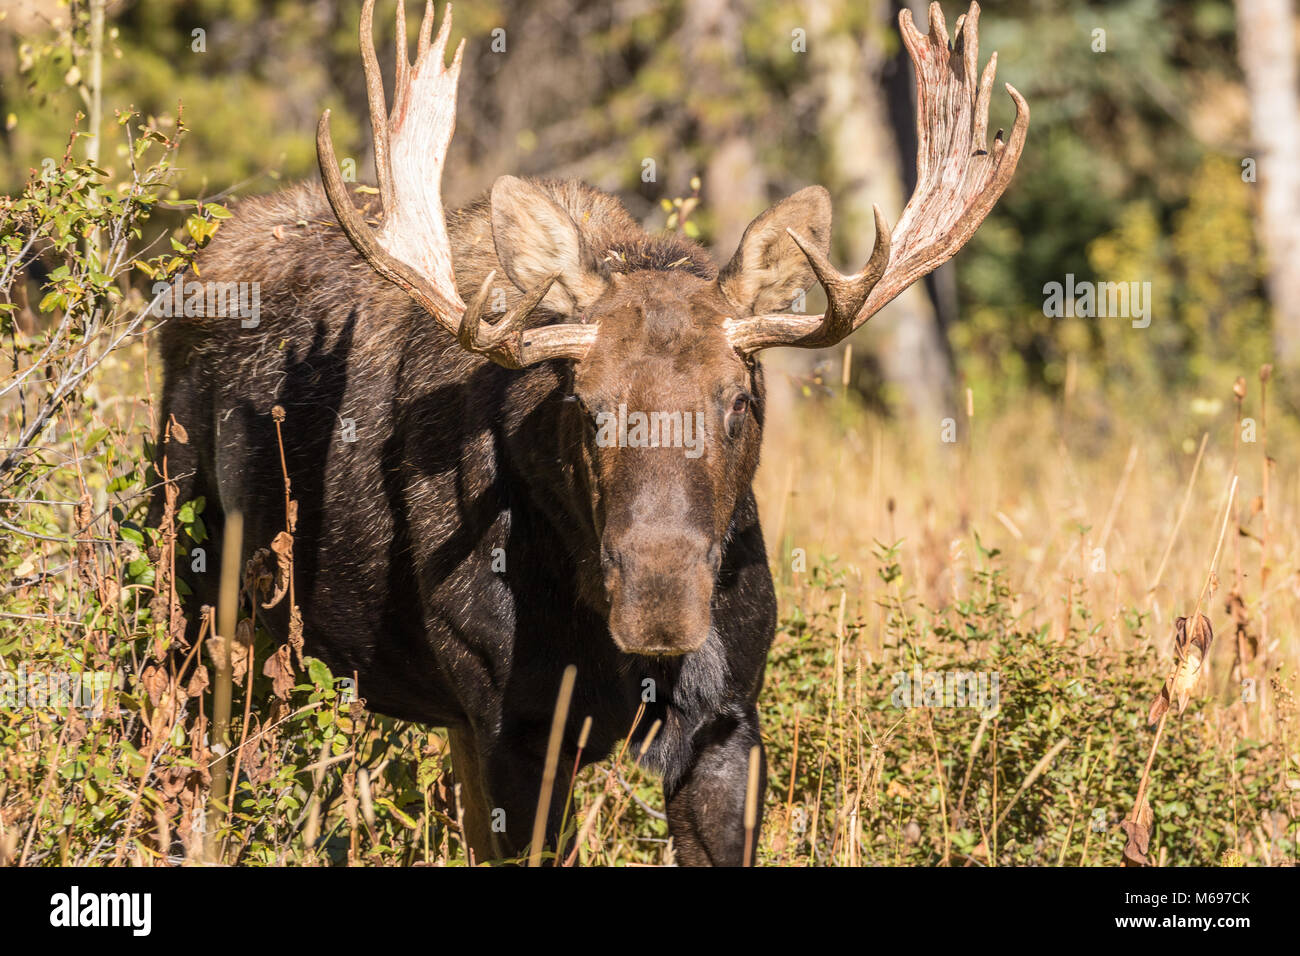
(536, 238)
(768, 270)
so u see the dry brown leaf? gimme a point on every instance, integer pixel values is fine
(295, 632)
(77, 728)
(282, 545)
(279, 667)
(155, 681)
(895, 790)
(160, 721)
(218, 647)
(259, 578)
(198, 682)
(260, 763)
(1139, 836)
(242, 650)
(178, 432)
(1192, 651)
(1159, 705)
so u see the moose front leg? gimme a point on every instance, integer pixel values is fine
(706, 803)
(500, 782)
(474, 805)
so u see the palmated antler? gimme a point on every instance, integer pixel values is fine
(958, 180)
(410, 248)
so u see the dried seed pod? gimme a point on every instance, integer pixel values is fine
(1138, 832)
(1192, 648)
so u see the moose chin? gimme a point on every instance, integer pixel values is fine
(463, 532)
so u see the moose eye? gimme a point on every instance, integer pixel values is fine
(735, 418)
(577, 400)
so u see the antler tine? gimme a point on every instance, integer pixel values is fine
(468, 334)
(411, 248)
(845, 296)
(506, 339)
(403, 52)
(513, 342)
(510, 324)
(959, 179)
(938, 26)
(426, 31)
(378, 108)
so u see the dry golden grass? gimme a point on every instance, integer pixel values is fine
(1049, 491)
(1084, 505)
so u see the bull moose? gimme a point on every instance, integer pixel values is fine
(469, 523)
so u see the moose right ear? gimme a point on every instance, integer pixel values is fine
(535, 238)
(768, 270)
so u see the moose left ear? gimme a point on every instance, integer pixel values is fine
(536, 238)
(768, 270)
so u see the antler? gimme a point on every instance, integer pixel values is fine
(411, 248)
(958, 180)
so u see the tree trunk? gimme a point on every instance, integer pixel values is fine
(862, 167)
(735, 188)
(1266, 45)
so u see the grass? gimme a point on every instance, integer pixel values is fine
(1040, 560)
(1060, 563)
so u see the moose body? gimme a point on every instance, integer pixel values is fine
(444, 555)
(469, 522)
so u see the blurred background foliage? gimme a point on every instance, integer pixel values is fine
(1133, 171)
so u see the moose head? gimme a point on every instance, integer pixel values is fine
(665, 391)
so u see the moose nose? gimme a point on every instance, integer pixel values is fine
(660, 588)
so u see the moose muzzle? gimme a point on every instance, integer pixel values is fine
(660, 587)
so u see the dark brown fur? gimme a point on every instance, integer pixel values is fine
(644, 568)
